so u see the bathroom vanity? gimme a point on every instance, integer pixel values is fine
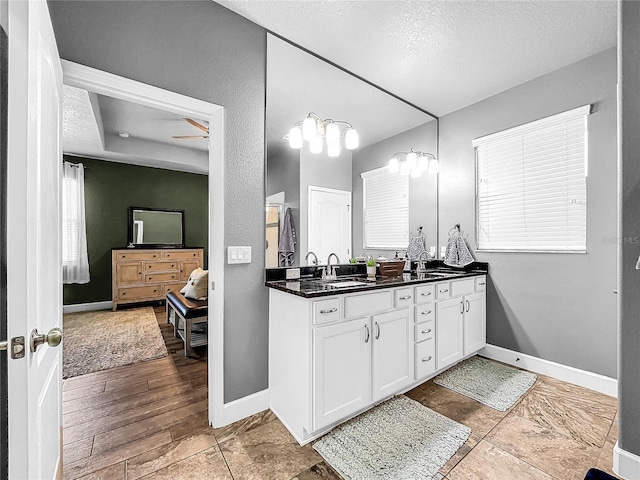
(336, 351)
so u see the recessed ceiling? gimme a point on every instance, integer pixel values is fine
(442, 55)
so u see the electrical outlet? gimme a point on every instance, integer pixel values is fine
(292, 273)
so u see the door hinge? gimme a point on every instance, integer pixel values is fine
(213, 285)
(16, 348)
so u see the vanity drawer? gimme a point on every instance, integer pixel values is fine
(360, 305)
(443, 290)
(481, 284)
(134, 293)
(172, 287)
(178, 254)
(425, 293)
(462, 287)
(424, 313)
(425, 358)
(160, 266)
(424, 331)
(326, 310)
(161, 277)
(403, 297)
(133, 256)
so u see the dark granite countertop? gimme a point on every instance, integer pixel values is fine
(313, 287)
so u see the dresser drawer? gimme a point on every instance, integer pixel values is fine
(172, 287)
(424, 331)
(133, 256)
(360, 305)
(462, 287)
(403, 297)
(180, 254)
(425, 293)
(161, 277)
(424, 313)
(443, 290)
(481, 284)
(425, 358)
(133, 293)
(326, 310)
(160, 266)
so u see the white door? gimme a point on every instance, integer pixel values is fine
(34, 264)
(448, 332)
(475, 334)
(392, 352)
(341, 370)
(329, 223)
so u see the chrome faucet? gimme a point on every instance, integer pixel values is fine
(315, 258)
(422, 264)
(331, 272)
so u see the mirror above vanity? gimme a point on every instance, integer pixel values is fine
(323, 192)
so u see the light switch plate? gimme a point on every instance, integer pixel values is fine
(292, 273)
(238, 254)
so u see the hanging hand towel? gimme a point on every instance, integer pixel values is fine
(287, 243)
(457, 253)
(416, 247)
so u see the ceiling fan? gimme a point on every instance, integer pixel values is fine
(198, 126)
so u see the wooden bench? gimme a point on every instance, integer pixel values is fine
(183, 313)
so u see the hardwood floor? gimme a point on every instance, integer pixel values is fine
(150, 421)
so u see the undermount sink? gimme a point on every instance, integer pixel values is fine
(346, 284)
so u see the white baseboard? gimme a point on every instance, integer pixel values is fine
(245, 407)
(626, 464)
(583, 378)
(87, 307)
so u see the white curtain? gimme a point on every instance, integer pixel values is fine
(75, 260)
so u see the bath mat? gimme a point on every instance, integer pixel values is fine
(491, 383)
(103, 339)
(398, 439)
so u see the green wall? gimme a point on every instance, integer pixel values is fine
(110, 189)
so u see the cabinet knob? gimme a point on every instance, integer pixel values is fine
(150, 278)
(124, 293)
(168, 255)
(427, 359)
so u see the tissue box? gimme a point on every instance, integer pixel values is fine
(392, 268)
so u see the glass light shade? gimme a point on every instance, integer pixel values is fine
(351, 139)
(412, 159)
(434, 166)
(405, 169)
(295, 137)
(315, 145)
(423, 163)
(394, 165)
(309, 128)
(416, 172)
(333, 150)
(332, 134)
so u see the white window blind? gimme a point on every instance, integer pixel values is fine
(386, 209)
(531, 185)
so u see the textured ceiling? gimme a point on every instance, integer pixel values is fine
(442, 55)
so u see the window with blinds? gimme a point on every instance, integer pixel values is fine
(532, 185)
(385, 209)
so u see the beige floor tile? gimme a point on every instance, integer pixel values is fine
(550, 451)
(205, 465)
(320, 471)
(605, 460)
(609, 403)
(462, 452)
(487, 461)
(267, 452)
(225, 433)
(114, 472)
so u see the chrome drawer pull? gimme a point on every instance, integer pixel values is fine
(426, 331)
(426, 359)
(444, 291)
(481, 283)
(425, 313)
(377, 330)
(366, 338)
(425, 294)
(334, 309)
(468, 305)
(406, 297)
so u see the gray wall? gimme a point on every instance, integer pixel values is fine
(423, 191)
(558, 307)
(629, 222)
(205, 51)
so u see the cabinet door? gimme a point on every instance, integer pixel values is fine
(341, 370)
(449, 345)
(188, 266)
(475, 333)
(392, 358)
(129, 273)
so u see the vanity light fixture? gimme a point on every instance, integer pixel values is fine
(414, 163)
(318, 132)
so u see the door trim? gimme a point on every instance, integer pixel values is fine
(316, 188)
(76, 75)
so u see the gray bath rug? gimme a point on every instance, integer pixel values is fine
(494, 384)
(104, 339)
(398, 439)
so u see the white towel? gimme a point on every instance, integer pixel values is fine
(457, 253)
(287, 243)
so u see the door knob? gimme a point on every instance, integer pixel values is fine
(53, 338)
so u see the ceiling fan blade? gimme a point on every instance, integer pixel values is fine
(197, 125)
(189, 136)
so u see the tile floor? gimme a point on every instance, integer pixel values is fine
(150, 421)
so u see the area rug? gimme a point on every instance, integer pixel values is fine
(494, 384)
(398, 439)
(99, 340)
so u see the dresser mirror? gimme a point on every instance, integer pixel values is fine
(323, 193)
(155, 227)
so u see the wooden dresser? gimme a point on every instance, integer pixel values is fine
(142, 275)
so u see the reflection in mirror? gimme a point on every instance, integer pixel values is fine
(319, 196)
(156, 227)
